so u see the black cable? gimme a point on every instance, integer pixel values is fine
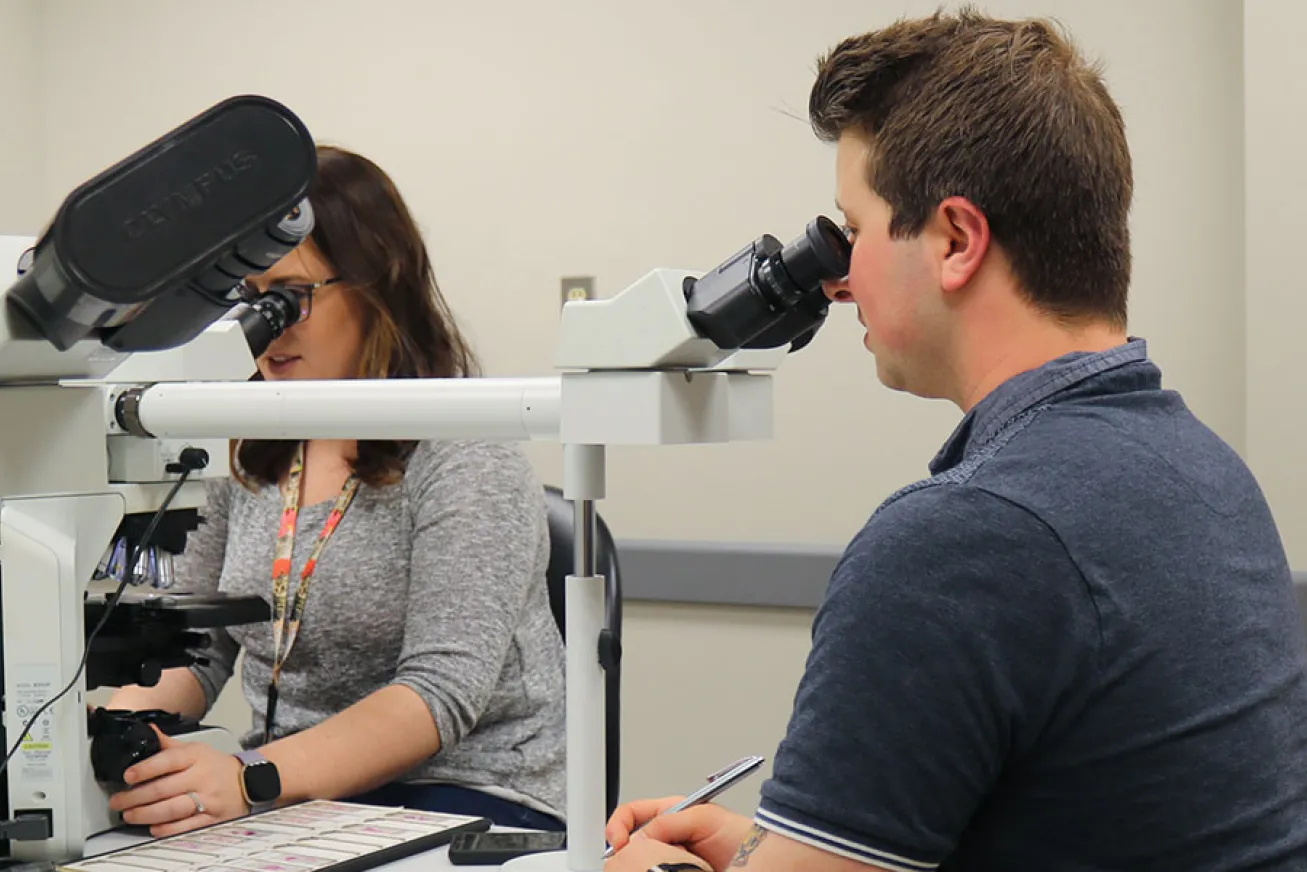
(128, 576)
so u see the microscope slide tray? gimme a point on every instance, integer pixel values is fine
(316, 836)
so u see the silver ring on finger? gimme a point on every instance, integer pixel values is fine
(199, 806)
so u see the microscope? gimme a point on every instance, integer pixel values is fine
(137, 262)
(126, 354)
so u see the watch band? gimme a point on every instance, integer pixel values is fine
(677, 867)
(253, 758)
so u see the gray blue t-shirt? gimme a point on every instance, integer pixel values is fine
(1074, 647)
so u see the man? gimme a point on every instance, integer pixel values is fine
(1075, 645)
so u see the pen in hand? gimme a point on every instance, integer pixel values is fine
(718, 783)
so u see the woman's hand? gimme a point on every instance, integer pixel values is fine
(185, 786)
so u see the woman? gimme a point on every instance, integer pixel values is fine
(418, 662)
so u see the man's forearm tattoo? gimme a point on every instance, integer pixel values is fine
(748, 846)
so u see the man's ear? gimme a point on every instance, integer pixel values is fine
(966, 230)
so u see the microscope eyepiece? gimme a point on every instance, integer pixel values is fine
(267, 317)
(820, 254)
(767, 295)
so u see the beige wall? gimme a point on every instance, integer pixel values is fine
(536, 140)
(22, 132)
(1275, 88)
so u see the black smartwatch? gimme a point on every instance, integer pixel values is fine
(260, 781)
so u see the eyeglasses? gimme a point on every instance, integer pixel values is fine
(302, 291)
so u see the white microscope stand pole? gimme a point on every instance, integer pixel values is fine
(583, 482)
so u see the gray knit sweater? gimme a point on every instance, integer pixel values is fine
(437, 584)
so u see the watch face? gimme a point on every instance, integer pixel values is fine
(262, 783)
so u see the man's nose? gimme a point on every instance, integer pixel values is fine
(837, 290)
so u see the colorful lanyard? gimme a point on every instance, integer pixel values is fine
(286, 621)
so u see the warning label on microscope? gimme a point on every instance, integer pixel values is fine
(34, 686)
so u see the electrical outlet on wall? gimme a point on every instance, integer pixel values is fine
(578, 288)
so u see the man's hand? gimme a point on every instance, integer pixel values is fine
(714, 837)
(709, 832)
(642, 854)
(185, 786)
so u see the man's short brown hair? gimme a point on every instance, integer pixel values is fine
(1009, 116)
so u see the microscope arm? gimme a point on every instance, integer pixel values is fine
(513, 409)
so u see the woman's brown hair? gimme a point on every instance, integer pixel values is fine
(364, 229)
